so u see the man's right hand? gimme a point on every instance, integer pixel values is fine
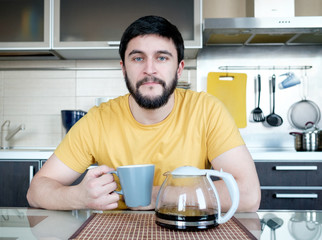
(97, 189)
(50, 188)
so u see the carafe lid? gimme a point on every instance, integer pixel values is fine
(188, 171)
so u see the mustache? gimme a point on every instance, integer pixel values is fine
(150, 79)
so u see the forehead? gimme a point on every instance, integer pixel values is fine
(151, 43)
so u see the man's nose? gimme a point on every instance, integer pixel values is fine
(150, 67)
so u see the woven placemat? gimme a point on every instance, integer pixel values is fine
(143, 226)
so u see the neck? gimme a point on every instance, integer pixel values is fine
(150, 116)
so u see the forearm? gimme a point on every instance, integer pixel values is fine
(47, 193)
(249, 197)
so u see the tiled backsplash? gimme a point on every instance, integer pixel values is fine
(36, 97)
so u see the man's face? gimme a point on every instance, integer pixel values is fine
(151, 70)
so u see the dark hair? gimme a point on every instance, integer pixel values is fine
(152, 25)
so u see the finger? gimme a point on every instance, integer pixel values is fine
(99, 171)
(101, 181)
(102, 190)
(108, 201)
(106, 179)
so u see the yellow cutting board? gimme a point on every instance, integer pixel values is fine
(230, 88)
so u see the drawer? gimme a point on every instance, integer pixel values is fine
(289, 174)
(291, 199)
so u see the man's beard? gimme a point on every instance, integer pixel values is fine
(148, 102)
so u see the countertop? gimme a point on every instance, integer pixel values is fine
(28, 223)
(257, 154)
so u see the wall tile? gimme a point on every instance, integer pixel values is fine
(38, 131)
(99, 74)
(38, 64)
(85, 103)
(37, 140)
(37, 105)
(39, 87)
(39, 74)
(36, 124)
(100, 87)
(98, 64)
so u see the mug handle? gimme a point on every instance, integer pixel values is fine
(115, 172)
(233, 192)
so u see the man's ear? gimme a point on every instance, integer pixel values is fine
(180, 69)
(123, 67)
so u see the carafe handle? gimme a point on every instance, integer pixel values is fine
(233, 192)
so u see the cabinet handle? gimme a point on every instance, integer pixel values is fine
(31, 173)
(296, 168)
(113, 43)
(295, 195)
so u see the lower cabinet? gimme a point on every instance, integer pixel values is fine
(15, 177)
(309, 199)
(290, 185)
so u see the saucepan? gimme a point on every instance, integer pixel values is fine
(309, 140)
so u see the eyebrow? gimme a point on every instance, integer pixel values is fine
(159, 52)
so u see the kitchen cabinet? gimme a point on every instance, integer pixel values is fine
(25, 29)
(290, 184)
(15, 177)
(87, 30)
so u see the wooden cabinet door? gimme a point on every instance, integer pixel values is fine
(15, 177)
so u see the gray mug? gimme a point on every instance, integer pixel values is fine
(136, 183)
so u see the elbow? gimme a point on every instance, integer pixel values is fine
(250, 201)
(254, 203)
(30, 198)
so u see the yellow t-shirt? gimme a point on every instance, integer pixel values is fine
(198, 129)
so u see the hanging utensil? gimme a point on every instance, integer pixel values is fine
(273, 119)
(257, 113)
(304, 111)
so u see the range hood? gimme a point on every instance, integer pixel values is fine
(263, 31)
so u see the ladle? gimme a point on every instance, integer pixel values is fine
(273, 119)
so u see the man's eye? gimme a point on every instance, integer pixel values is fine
(138, 59)
(162, 58)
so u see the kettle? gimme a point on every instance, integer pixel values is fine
(188, 199)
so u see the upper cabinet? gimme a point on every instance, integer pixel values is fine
(92, 29)
(25, 28)
(81, 29)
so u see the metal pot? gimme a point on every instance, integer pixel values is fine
(309, 140)
(297, 141)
